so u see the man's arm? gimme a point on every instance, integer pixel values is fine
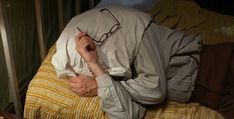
(115, 100)
(121, 99)
(149, 87)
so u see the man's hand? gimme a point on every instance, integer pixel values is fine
(83, 85)
(86, 48)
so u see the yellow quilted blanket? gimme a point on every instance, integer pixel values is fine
(49, 97)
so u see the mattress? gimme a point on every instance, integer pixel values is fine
(49, 97)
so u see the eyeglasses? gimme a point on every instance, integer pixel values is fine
(114, 28)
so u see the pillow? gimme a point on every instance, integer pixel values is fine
(143, 5)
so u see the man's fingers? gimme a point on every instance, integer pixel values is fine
(80, 35)
(91, 45)
(85, 44)
(73, 85)
(80, 91)
(74, 79)
(82, 85)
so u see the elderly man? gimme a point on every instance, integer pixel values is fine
(120, 55)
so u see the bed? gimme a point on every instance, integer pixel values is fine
(48, 97)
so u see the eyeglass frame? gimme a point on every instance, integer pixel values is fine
(107, 34)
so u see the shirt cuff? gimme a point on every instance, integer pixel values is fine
(104, 81)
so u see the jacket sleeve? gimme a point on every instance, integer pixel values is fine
(149, 85)
(122, 99)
